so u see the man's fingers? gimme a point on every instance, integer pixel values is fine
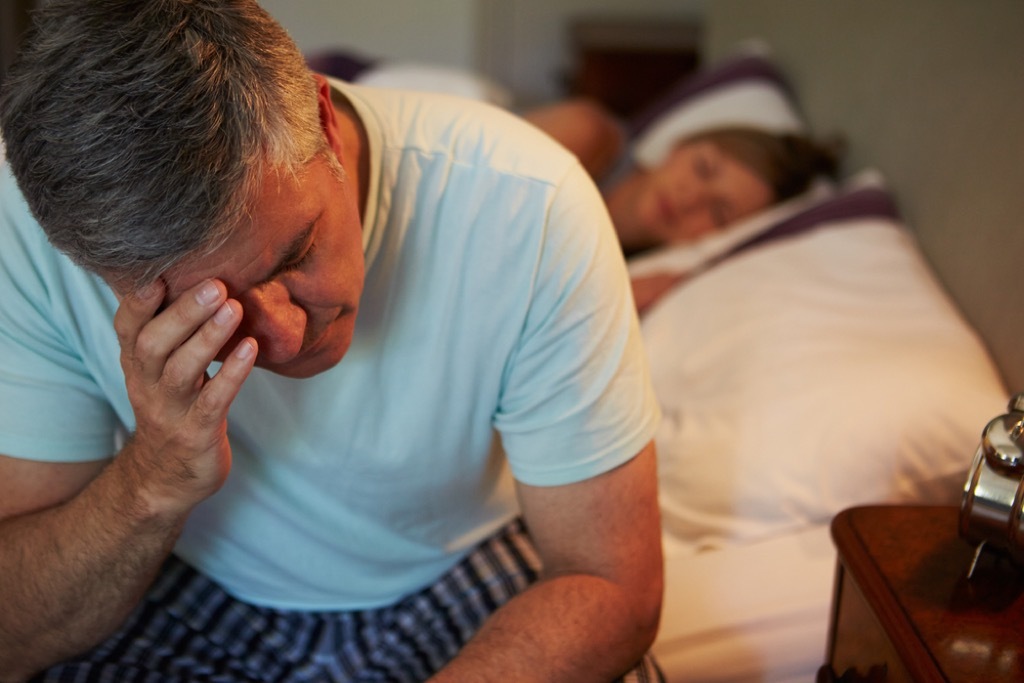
(180, 438)
(185, 367)
(135, 310)
(219, 391)
(146, 347)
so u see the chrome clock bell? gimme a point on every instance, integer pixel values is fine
(991, 513)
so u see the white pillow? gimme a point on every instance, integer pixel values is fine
(810, 374)
(745, 104)
(746, 89)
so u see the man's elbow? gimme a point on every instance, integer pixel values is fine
(646, 595)
(648, 609)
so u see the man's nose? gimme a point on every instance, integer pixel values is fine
(277, 322)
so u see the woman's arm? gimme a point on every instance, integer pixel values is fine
(586, 129)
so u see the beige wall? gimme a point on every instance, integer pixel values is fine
(932, 93)
(520, 43)
(442, 31)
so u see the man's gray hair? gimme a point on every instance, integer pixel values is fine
(139, 131)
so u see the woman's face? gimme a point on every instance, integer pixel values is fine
(697, 190)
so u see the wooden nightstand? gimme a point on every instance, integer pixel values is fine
(903, 609)
(627, 63)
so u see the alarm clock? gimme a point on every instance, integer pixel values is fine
(991, 514)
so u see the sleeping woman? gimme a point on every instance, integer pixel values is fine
(706, 182)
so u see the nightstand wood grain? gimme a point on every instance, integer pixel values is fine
(903, 609)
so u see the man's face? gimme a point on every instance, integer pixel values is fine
(297, 270)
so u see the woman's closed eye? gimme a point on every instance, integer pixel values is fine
(703, 167)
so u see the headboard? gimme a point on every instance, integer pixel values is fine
(931, 93)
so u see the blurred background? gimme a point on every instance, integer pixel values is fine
(13, 21)
(540, 49)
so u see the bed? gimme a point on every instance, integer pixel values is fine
(814, 363)
(843, 348)
(857, 361)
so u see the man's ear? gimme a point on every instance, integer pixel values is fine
(329, 116)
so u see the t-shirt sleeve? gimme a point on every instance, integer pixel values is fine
(52, 407)
(577, 399)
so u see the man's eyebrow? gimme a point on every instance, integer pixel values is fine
(292, 252)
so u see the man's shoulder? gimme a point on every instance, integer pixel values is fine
(27, 259)
(19, 230)
(466, 130)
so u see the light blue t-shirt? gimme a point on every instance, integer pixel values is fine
(496, 331)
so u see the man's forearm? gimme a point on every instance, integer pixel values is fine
(72, 573)
(567, 628)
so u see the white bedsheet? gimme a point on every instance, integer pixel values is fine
(754, 612)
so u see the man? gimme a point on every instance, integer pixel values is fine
(214, 468)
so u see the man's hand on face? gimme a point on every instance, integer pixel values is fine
(180, 451)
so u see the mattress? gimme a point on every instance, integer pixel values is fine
(753, 612)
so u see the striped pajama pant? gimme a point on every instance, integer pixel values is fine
(187, 629)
